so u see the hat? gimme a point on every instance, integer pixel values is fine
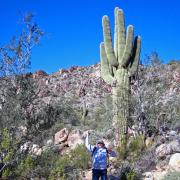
(100, 142)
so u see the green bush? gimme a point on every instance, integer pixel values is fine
(69, 165)
(26, 167)
(172, 176)
(136, 145)
(6, 145)
(133, 148)
(122, 152)
(80, 157)
(131, 175)
(61, 168)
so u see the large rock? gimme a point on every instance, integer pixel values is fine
(148, 176)
(25, 147)
(59, 147)
(75, 137)
(167, 149)
(36, 150)
(149, 141)
(61, 136)
(21, 131)
(174, 162)
(49, 142)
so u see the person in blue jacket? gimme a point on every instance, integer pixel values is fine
(100, 154)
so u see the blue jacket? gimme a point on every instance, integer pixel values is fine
(99, 156)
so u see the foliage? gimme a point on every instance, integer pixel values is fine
(80, 157)
(152, 59)
(155, 99)
(52, 165)
(131, 175)
(17, 91)
(122, 152)
(76, 161)
(131, 151)
(15, 56)
(25, 168)
(8, 151)
(136, 145)
(172, 176)
(61, 167)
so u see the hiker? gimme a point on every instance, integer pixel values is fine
(100, 157)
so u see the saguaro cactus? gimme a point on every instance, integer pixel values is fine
(118, 65)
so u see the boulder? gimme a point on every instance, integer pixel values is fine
(149, 141)
(172, 133)
(148, 176)
(166, 149)
(21, 132)
(61, 136)
(59, 147)
(49, 142)
(86, 175)
(36, 150)
(39, 73)
(25, 147)
(174, 162)
(75, 137)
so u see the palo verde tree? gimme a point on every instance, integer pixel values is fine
(118, 65)
(17, 91)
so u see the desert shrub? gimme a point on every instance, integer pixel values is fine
(25, 168)
(80, 157)
(70, 165)
(127, 172)
(61, 167)
(136, 145)
(6, 151)
(172, 62)
(133, 149)
(131, 175)
(147, 160)
(75, 161)
(154, 93)
(172, 176)
(17, 91)
(122, 152)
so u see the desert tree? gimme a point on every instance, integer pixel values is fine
(17, 91)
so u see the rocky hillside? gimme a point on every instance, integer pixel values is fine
(85, 91)
(67, 103)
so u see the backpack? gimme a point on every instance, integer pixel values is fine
(94, 149)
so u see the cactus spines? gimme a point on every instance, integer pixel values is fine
(118, 64)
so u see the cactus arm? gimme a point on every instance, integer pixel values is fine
(111, 70)
(116, 32)
(128, 47)
(136, 56)
(121, 33)
(105, 71)
(108, 42)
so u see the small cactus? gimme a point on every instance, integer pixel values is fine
(118, 65)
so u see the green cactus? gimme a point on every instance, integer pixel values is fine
(118, 65)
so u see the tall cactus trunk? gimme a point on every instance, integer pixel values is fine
(120, 96)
